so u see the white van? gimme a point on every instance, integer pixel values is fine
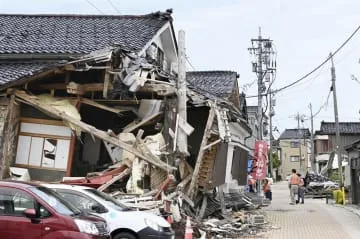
(124, 223)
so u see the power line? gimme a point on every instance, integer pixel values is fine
(188, 61)
(94, 6)
(113, 5)
(316, 68)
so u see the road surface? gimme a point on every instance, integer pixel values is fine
(313, 220)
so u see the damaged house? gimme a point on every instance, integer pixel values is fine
(95, 97)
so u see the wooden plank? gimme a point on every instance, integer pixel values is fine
(132, 126)
(33, 101)
(114, 179)
(101, 106)
(45, 136)
(41, 121)
(192, 191)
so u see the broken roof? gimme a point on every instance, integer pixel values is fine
(295, 134)
(217, 83)
(329, 128)
(77, 34)
(11, 71)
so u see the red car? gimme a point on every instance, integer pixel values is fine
(31, 211)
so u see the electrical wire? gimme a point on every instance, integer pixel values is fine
(191, 65)
(324, 105)
(94, 6)
(113, 5)
(316, 68)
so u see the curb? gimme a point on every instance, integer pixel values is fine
(353, 210)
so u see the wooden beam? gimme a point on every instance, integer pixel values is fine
(159, 89)
(107, 83)
(33, 101)
(101, 106)
(81, 89)
(192, 191)
(133, 125)
(114, 179)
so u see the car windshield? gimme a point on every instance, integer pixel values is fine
(110, 200)
(55, 201)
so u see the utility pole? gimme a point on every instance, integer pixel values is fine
(181, 95)
(312, 159)
(271, 114)
(299, 118)
(263, 65)
(338, 149)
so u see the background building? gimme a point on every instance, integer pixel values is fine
(289, 143)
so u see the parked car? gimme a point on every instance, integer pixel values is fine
(31, 211)
(123, 221)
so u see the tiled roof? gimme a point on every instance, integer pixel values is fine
(11, 71)
(218, 83)
(76, 34)
(295, 134)
(329, 128)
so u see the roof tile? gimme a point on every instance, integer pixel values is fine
(76, 33)
(218, 83)
(295, 134)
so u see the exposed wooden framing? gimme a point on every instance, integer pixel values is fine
(159, 89)
(72, 146)
(164, 185)
(41, 121)
(31, 78)
(31, 100)
(51, 86)
(39, 167)
(81, 89)
(192, 190)
(114, 179)
(8, 138)
(184, 182)
(211, 144)
(107, 82)
(101, 106)
(203, 207)
(71, 155)
(45, 136)
(133, 125)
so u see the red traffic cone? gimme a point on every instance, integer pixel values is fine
(188, 229)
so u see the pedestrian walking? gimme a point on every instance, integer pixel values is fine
(294, 186)
(301, 192)
(267, 189)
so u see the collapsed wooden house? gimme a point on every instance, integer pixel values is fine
(83, 94)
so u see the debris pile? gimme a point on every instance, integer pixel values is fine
(319, 186)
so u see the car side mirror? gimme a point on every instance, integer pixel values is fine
(98, 209)
(30, 213)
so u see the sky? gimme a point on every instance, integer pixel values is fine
(218, 34)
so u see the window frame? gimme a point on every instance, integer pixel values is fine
(23, 193)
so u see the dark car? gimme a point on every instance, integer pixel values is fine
(31, 211)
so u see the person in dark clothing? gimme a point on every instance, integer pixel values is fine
(301, 192)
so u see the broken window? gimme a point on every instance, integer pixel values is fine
(43, 146)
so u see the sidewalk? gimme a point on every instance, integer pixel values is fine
(313, 220)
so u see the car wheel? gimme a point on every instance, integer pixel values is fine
(124, 235)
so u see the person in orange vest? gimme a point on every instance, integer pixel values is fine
(301, 193)
(294, 186)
